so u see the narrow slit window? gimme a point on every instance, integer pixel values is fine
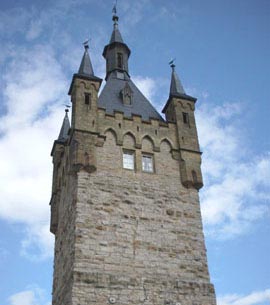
(185, 118)
(128, 160)
(87, 99)
(147, 163)
(120, 60)
(194, 176)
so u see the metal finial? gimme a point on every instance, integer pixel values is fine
(171, 62)
(114, 11)
(67, 106)
(86, 44)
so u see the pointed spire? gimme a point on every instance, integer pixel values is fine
(176, 86)
(116, 36)
(86, 68)
(63, 135)
(116, 52)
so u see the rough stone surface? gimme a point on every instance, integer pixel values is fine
(127, 236)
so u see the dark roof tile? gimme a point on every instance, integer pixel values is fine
(110, 99)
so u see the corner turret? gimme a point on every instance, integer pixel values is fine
(58, 149)
(84, 93)
(180, 110)
(63, 135)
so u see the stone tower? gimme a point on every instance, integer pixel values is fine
(125, 208)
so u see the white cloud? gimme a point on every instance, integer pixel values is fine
(23, 298)
(146, 84)
(254, 298)
(236, 183)
(34, 92)
(38, 242)
(31, 296)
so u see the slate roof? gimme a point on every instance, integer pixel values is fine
(116, 36)
(63, 135)
(86, 68)
(176, 86)
(177, 90)
(110, 99)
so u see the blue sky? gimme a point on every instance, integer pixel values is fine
(222, 57)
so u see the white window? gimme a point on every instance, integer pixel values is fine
(147, 163)
(128, 159)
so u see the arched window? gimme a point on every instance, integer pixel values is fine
(87, 99)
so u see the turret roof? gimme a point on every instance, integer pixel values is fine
(116, 35)
(63, 135)
(176, 87)
(86, 68)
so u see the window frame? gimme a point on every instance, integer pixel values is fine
(185, 118)
(151, 157)
(126, 152)
(87, 99)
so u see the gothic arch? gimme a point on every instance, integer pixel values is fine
(112, 131)
(191, 107)
(130, 135)
(82, 85)
(94, 86)
(147, 138)
(181, 103)
(167, 141)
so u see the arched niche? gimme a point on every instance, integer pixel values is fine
(129, 140)
(82, 85)
(165, 146)
(111, 136)
(165, 163)
(108, 156)
(147, 143)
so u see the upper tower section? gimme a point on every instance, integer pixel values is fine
(116, 52)
(84, 94)
(179, 109)
(120, 93)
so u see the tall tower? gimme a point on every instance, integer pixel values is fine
(125, 208)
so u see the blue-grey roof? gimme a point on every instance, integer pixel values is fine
(110, 99)
(177, 90)
(86, 68)
(176, 86)
(63, 135)
(116, 35)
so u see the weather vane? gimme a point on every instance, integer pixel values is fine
(114, 11)
(67, 107)
(86, 43)
(171, 63)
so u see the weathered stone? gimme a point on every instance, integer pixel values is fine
(122, 235)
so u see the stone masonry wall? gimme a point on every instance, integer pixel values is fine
(138, 236)
(65, 242)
